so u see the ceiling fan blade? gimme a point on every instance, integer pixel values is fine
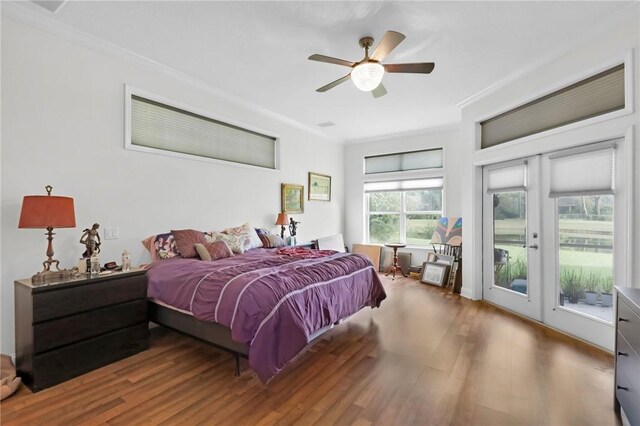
(330, 60)
(418, 68)
(379, 91)
(334, 83)
(390, 41)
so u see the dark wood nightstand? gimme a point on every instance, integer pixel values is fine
(69, 328)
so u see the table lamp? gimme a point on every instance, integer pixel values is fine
(283, 221)
(48, 212)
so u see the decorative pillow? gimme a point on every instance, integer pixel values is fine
(161, 246)
(237, 243)
(213, 251)
(271, 240)
(246, 230)
(185, 240)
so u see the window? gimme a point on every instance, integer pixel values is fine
(163, 128)
(593, 96)
(403, 161)
(403, 211)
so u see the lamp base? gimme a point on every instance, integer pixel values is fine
(46, 277)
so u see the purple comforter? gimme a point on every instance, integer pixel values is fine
(271, 302)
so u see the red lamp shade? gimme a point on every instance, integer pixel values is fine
(47, 211)
(282, 219)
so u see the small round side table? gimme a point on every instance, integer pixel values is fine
(395, 267)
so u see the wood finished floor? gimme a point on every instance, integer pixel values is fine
(426, 357)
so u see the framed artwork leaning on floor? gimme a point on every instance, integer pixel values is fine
(434, 273)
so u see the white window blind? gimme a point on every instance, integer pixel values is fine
(402, 185)
(583, 171)
(404, 161)
(163, 127)
(593, 96)
(507, 179)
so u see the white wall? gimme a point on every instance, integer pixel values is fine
(63, 116)
(446, 138)
(618, 42)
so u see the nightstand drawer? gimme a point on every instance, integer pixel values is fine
(628, 362)
(70, 329)
(628, 397)
(56, 366)
(629, 325)
(84, 297)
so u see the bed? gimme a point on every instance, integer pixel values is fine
(266, 304)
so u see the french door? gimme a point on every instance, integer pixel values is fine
(552, 226)
(511, 233)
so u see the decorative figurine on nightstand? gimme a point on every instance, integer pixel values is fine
(293, 226)
(91, 240)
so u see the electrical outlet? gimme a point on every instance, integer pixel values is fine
(111, 233)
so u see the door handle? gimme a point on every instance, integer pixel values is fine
(534, 246)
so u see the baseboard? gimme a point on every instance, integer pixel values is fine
(466, 292)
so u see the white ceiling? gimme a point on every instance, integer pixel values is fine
(257, 51)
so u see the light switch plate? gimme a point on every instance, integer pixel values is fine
(111, 233)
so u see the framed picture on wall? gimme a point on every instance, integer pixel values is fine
(292, 198)
(319, 187)
(435, 274)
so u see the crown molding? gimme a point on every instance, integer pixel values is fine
(605, 25)
(21, 12)
(418, 132)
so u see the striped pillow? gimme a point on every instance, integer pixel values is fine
(271, 240)
(213, 250)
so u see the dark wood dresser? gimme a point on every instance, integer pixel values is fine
(69, 328)
(627, 380)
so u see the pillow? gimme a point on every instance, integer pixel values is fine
(271, 240)
(213, 251)
(185, 240)
(161, 246)
(237, 243)
(246, 230)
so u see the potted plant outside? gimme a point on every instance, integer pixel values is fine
(571, 284)
(591, 285)
(606, 298)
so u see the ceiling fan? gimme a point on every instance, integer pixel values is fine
(367, 74)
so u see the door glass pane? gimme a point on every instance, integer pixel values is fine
(509, 239)
(585, 255)
(384, 228)
(420, 228)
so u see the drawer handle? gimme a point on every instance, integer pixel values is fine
(623, 354)
(622, 388)
(622, 319)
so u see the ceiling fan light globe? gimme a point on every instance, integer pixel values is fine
(367, 76)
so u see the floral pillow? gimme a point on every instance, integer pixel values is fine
(237, 243)
(247, 231)
(161, 246)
